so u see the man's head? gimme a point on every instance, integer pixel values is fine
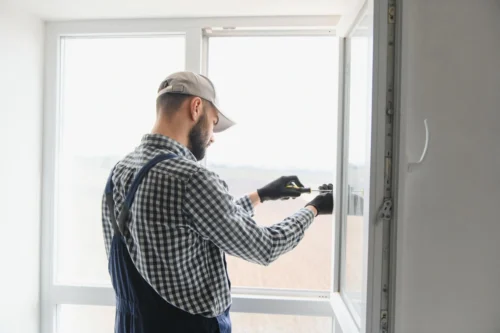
(188, 106)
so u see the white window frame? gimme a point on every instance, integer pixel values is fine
(378, 250)
(248, 300)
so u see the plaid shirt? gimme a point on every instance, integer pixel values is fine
(182, 223)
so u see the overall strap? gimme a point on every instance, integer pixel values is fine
(108, 192)
(118, 226)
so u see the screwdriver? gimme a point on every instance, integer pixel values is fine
(306, 189)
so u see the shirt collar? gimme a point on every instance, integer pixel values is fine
(163, 142)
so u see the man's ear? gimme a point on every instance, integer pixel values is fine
(195, 108)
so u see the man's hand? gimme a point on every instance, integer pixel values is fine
(278, 189)
(323, 202)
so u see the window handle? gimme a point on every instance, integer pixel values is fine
(412, 165)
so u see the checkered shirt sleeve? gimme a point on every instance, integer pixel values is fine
(218, 218)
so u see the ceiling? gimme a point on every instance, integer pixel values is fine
(114, 9)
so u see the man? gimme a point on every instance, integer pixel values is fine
(168, 221)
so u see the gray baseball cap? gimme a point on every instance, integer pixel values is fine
(198, 85)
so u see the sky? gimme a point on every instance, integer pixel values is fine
(281, 91)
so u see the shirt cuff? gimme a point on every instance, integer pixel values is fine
(246, 204)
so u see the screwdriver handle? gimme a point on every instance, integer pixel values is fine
(300, 189)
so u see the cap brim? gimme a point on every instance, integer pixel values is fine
(223, 124)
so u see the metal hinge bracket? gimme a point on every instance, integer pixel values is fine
(383, 321)
(392, 15)
(385, 212)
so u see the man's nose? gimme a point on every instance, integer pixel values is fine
(212, 139)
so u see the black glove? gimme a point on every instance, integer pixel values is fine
(324, 201)
(278, 190)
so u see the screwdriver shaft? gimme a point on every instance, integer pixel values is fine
(307, 189)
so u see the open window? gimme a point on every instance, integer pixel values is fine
(309, 96)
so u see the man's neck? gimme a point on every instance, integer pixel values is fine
(171, 132)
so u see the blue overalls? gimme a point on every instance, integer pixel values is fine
(139, 308)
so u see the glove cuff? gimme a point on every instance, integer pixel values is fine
(262, 195)
(313, 204)
(316, 207)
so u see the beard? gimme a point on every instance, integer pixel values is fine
(198, 138)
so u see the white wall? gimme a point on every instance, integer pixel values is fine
(449, 228)
(21, 49)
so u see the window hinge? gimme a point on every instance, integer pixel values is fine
(391, 17)
(385, 212)
(383, 321)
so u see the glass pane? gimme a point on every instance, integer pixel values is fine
(270, 323)
(109, 90)
(282, 92)
(101, 319)
(359, 109)
(85, 319)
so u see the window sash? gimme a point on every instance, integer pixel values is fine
(378, 249)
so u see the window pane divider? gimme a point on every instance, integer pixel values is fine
(281, 292)
(270, 32)
(165, 25)
(247, 303)
(343, 316)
